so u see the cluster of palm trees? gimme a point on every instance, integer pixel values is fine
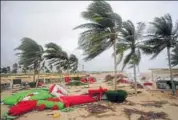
(32, 56)
(107, 29)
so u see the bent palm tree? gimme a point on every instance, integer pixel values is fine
(174, 56)
(30, 55)
(60, 59)
(102, 30)
(163, 35)
(131, 38)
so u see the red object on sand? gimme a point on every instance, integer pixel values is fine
(40, 83)
(148, 84)
(83, 80)
(90, 80)
(67, 79)
(98, 92)
(41, 107)
(55, 107)
(22, 107)
(123, 81)
(76, 99)
(51, 88)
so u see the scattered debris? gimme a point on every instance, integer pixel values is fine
(108, 78)
(55, 115)
(97, 108)
(154, 103)
(146, 115)
(174, 104)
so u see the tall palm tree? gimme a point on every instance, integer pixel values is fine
(30, 54)
(174, 56)
(131, 38)
(163, 35)
(59, 58)
(101, 32)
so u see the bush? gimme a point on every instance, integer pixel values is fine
(76, 78)
(32, 84)
(116, 96)
(75, 83)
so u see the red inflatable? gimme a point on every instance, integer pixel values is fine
(40, 84)
(22, 107)
(98, 92)
(76, 99)
(67, 79)
(81, 99)
(148, 84)
(90, 80)
(83, 80)
(123, 81)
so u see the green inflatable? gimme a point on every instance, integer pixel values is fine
(50, 104)
(13, 99)
(37, 94)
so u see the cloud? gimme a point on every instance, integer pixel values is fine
(53, 21)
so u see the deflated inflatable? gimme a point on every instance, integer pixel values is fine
(57, 90)
(50, 104)
(35, 94)
(76, 99)
(22, 107)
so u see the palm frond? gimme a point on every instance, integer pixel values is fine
(139, 31)
(89, 26)
(127, 59)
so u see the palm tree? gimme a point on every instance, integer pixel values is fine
(174, 56)
(131, 38)
(60, 59)
(163, 35)
(30, 54)
(71, 63)
(14, 68)
(101, 32)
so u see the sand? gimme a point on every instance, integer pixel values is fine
(80, 113)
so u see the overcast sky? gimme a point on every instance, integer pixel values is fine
(53, 21)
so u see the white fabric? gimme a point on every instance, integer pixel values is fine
(57, 94)
(26, 98)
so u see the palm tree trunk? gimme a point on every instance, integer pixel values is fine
(135, 79)
(170, 69)
(34, 75)
(115, 67)
(37, 79)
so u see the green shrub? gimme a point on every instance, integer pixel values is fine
(116, 96)
(32, 84)
(76, 78)
(75, 83)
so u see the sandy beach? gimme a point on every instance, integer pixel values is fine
(80, 112)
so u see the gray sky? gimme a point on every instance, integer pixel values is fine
(53, 21)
